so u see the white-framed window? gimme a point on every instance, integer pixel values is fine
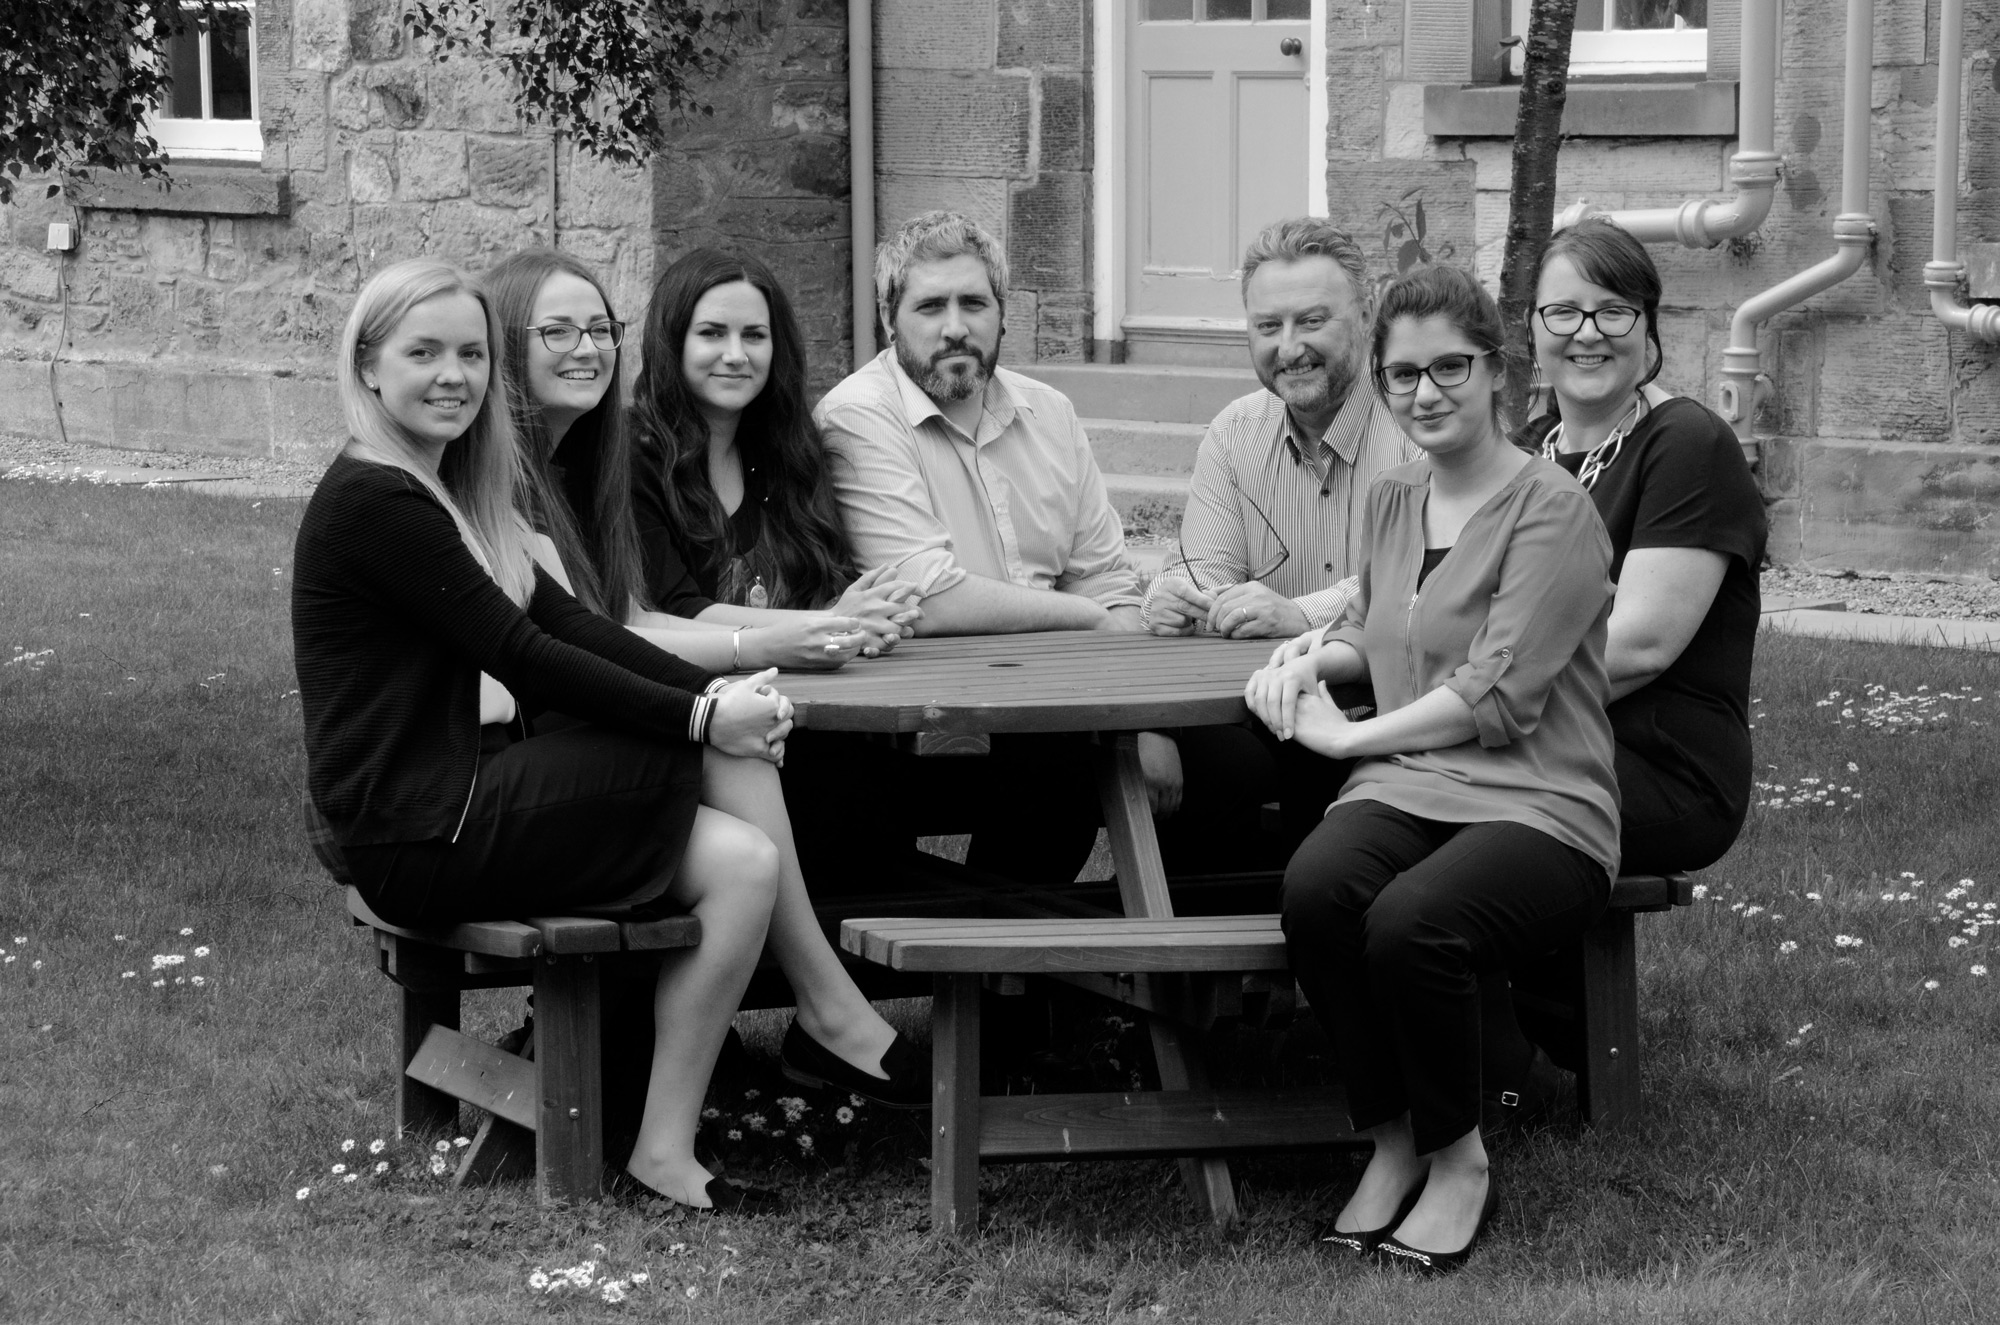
(211, 110)
(1622, 38)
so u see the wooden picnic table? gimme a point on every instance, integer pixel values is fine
(948, 696)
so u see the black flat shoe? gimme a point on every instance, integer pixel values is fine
(1364, 1241)
(810, 1063)
(725, 1198)
(1431, 1264)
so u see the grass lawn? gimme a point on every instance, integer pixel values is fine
(1822, 1138)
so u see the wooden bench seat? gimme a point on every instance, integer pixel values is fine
(1184, 969)
(549, 1107)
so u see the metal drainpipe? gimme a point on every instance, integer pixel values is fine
(861, 172)
(1753, 170)
(1944, 272)
(1743, 385)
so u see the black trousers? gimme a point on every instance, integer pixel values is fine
(1391, 920)
(578, 818)
(1228, 775)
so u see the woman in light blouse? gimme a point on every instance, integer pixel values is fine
(1481, 824)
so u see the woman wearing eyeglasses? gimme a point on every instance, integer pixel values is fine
(1687, 533)
(1480, 825)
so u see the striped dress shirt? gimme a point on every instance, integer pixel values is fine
(1315, 493)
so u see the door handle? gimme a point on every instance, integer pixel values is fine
(1290, 46)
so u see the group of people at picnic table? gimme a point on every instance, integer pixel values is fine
(539, 626)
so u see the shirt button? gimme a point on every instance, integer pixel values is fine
(1329, 565)
(1325, 492)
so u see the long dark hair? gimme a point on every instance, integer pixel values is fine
(803, 534)
(601, 553)
(1606, 254)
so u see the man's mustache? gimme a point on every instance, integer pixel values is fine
(963, 345)
(1305, 359)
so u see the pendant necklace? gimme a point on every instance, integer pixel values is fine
(1599, 457)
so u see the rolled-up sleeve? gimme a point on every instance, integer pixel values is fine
(1098, 567)
(884, 503)
(1554, 584)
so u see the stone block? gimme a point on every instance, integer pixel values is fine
(1403, 123)
(810, 108)
(1404, 212)
(174, 243)
(25, 407)
(386, 233)
(596, 193)
(371, 167)
(1062, 327)
(1909, 248)
(29, 275)
(1017, 344)
(1598, 168)
(1887, 506)
(1979, 155)
(1064, 112)
(1905, 127)
(141, 305)
(509, 172)
(430, 165)
(230, 414)
(1685, 368)
(951, 124)
(898, 197)
(305, 418)
(319, 35)
(476, 96)
(1036, 33)
(1046, 222)
(375, 29)
(933, 34)
(476, 237)
(1975, 392)
(293, 114)
(1355, 96)
(1489, 223)
(1885, 378)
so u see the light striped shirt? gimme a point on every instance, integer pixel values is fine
(1315, 493)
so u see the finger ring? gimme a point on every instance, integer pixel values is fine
(833, 648)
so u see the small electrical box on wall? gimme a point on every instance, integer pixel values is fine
(62, 236)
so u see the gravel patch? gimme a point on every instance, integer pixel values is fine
(32, 457)
(1962, 598)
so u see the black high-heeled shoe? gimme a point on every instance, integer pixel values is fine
(1430, 1264)
(810, 1063)
(1363, 1242)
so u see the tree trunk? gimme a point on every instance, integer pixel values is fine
(1531, 204)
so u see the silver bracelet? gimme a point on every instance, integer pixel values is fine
(736, 649)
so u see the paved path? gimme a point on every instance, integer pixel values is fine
(1879, 629)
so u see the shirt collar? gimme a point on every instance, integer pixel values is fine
(1001, 404)
(1343, 435)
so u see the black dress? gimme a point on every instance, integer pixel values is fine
(1680, 480)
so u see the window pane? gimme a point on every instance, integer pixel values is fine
(1639, 14)
(184, 63)
(1288, 9)
(1167, 11)
(1227, 10)
(229, 65)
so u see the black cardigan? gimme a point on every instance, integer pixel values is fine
(392, 623)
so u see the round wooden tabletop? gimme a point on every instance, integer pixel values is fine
(1053, 681)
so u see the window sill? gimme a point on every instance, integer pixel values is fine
(204, 188)
(1696, 109)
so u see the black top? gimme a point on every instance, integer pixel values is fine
(1680, 480)
(392, 623)
(683, 576)
(1432, 556)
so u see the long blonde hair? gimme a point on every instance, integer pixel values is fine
(480, 471)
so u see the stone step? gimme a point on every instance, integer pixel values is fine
(1145, 392)
(1130, 446)
(1149, 504)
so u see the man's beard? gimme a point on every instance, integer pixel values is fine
(945, 387)
(1318, 392)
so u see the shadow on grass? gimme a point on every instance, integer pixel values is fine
(1818, 1142)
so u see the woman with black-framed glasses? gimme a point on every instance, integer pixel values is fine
(1480, 825)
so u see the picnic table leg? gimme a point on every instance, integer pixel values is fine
(955, 1104)
(569, 1149)
(1609, 1004)
(1142, 887)
(428, 997)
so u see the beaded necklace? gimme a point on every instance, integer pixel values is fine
(1599, 458)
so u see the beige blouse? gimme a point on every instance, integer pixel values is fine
(1513, 622)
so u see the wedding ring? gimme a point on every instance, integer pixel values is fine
(833, 648)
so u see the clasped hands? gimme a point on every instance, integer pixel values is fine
(751, 719)
(1288, 696)
(1250, 610)
(885, 609)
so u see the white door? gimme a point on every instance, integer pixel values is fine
(1216, 112)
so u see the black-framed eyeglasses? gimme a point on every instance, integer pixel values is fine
(562, 337)
(1259, 572)
(1612, 320)
(1400, 379)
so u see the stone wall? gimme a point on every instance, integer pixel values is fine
(983, 107)
(207, 318)
(1882, 445)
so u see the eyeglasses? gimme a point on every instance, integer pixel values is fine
(1612, 320)
(1400, 379)
(562, 337)
(1262, 571)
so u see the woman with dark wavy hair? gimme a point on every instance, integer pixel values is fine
(735, 510)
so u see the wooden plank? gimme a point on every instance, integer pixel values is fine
(1161, 1123)
(1608, 1085)
(566, 935)
(1056, 929)
(500, 1152)
(495, 938)
(659, 935)
(1189, 955)
(477, 1073)
(421, 1108)
(1643, 892)
(569, 1158)
(955, 1105)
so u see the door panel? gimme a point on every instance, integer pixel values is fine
(1216, 149)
